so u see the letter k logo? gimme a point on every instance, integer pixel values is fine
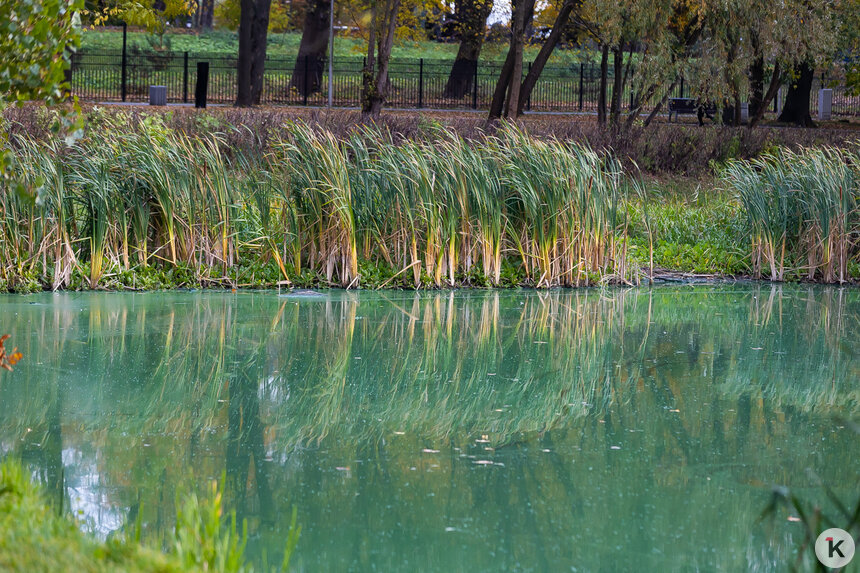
(834, 547)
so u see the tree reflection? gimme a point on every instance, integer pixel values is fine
(407, 426)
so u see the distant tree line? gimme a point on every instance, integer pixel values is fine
(726, 52)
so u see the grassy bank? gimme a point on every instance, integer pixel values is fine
(142, 204)
(37, 538)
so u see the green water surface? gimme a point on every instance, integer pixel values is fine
(617, 430)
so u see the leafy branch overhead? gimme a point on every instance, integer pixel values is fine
(144, 14)
(37, 38)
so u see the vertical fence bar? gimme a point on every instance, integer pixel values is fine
(185, 78)
(529, 100)
(421, 83)
(475, 88)
(124, 64)
(305, 86)
(581, 82)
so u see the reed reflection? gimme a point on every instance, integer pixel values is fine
(402, 423)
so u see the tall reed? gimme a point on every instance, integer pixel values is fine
(438, 209)
(803, 210)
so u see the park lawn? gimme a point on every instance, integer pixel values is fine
(286, 45)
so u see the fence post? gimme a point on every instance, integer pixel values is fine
(475, 88)
(305, 87)
(185, 78)
(682, 86)
(581, 82)
(124, 64)
(421, 83)
(529, 100)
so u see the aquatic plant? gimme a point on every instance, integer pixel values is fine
(439, 209)
(802, 208)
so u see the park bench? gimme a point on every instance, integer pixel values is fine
(690, 106)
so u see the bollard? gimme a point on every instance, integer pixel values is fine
(202, 87)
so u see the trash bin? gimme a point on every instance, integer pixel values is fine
(157, 95)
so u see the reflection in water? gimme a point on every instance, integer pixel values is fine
(603, 430)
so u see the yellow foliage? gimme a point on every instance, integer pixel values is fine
(142, 14)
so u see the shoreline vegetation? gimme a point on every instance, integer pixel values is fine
(155, 200)
(39, 537)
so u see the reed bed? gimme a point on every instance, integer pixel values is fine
(435, 211)
(803, 209)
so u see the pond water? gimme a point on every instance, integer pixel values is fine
(584, 430)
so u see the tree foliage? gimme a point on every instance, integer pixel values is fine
(36, 40)
(227, 15)
(153, 17)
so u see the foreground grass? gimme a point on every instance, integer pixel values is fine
(37, 539)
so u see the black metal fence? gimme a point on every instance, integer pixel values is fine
(419, 83)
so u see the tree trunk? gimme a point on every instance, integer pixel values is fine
(756, 75)
(617, 82)
(796, 108)
(205, 14)
(471, 23)
(310, 61)
(504, 84)
(601, 93)
(775, 81)
(375, 81)
(253, 29)
(546, 51)
(660, 104)
(518, 26)
(498, 101)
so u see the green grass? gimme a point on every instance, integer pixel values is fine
(286, 45)
(695, 228)
(37, 538)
